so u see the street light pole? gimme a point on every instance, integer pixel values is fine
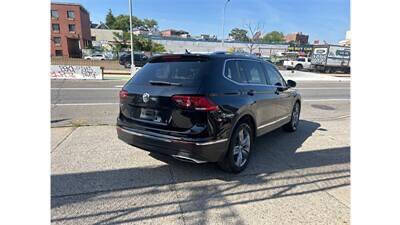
(223, 23)
(130, 25)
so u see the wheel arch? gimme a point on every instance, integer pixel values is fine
(249, 118)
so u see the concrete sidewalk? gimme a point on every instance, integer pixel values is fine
(310, 76)
(293, 178)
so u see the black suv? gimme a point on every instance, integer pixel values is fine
(206, 108)
(139, 60)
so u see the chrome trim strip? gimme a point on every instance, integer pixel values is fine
(211, 142)
(145, 135)
(273, 122)
(173, 140)
(185, 158)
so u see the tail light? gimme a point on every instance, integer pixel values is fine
(194, 102)
(123, 95)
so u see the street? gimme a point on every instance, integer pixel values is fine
(292, 178)
(96, 102)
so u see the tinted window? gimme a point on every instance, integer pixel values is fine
(252, 70)
(70, 14)
(136, 57)
(54, 13)
(56, 27)
(57, 40)
(71, 27)
(185, 73)
(274, 77)
(301, 59)
(231, 72)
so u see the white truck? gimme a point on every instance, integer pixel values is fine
(330, 58)
(301, 63)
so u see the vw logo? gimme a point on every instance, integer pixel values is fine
(146, 97)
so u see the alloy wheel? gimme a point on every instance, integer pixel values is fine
(295, 115)
(241, 149)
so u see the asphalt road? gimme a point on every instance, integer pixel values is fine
(292, 178)
(96, 102)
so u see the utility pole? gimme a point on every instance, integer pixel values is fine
(223, 23)
(130, 22)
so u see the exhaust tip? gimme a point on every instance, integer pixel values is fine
(188, 159)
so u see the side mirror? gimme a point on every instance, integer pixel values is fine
(291, 83)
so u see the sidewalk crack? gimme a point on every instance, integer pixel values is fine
(62, 141)
(173, 188)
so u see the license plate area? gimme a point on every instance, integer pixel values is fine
(150, 115)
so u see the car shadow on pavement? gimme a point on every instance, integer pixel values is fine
(276, 170)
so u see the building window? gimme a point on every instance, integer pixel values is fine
(71, 27)
(56, 27)
(54, 13)
(59, 53)
(70, 14)
(57, 40)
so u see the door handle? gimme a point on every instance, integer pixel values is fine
(250, 92)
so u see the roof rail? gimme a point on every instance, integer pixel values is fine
(235, 53)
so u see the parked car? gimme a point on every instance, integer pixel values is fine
(96, 57)
(266, 58)
(139, 60)
(301, 63)
(206, 108)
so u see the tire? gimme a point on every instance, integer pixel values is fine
(298, 67)
(294, 121)
(238, 155)
(328, 70)
(127, 65)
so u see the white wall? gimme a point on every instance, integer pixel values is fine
(178, 46)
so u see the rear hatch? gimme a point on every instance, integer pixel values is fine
(163, 95)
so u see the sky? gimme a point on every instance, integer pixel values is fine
(321, 19)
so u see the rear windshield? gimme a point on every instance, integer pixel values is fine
(187, 73)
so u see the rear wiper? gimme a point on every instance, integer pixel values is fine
(158, 82)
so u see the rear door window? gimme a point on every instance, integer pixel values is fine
(252, 70)
(231, 72)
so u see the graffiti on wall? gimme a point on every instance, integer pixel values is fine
(75, 72)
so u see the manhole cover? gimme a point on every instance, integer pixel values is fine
(323, 107)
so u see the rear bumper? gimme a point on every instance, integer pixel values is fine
(188, 150)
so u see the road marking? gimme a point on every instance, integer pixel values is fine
(83, 104)
(85, 88)
(326, 100)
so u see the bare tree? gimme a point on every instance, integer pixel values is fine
(255, 32)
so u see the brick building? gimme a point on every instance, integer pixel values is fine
(70, 29)
(298, 38)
